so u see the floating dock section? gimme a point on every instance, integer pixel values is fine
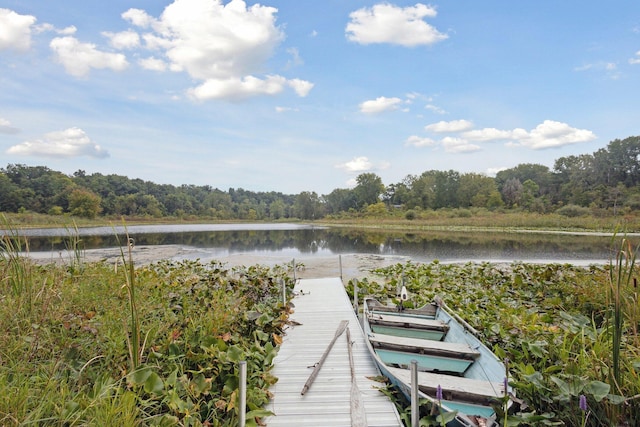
(321, 305)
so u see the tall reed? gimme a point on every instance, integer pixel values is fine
(622, 312)
(75, 248)
(133, 338)
(620, 280)
(17, 275)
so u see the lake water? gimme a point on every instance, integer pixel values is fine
(299, 240)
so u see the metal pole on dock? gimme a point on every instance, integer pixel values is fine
(284, 291)
(355, 297)
(340, 260)
(294, 270)
(415, 404)
(243, 393)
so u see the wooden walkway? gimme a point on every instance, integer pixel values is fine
(320, 306)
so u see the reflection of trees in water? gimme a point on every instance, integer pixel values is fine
(431, 244)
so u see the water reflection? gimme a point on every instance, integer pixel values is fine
(302, 240)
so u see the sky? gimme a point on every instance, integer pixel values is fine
(302, 95)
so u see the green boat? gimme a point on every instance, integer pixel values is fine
(456, 371)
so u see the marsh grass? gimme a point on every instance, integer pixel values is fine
(17, 277)
(74, 246)
(70, 357)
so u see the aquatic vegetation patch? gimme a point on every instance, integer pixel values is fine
(568, 332)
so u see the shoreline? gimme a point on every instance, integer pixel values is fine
(346, 266)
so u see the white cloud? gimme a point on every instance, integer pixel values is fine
(487, 134)
(635, 59)
(387, 23)
(609, 68)
(6, 127)
(153, 64)
(284, 109)
(225, 46)
(72, 142)
(138, 17)
(301, 87)
(295, 60)
(79, 58)
(67, 31)
(15, 30)
(237, 88)
(358, 164)
(123, 40)
(435, 109)
(417, 141)
(458, 145)
(550, 134)
(449, 127)
(379, 105)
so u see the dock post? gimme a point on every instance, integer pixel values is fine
(355, 297)
(284, 291)
(340, 261)
(243, 394)
(415, 401)
(294, 269)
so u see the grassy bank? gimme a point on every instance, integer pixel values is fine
(484, 220)
(443, 219)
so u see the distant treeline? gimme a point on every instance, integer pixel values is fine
(606, 182)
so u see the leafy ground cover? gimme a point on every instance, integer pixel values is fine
(569, 334)
(104, 344)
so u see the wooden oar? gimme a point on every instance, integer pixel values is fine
(341, 327)
(358, 415)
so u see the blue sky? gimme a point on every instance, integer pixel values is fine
(296, 96)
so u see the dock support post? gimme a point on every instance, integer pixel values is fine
(284, 291)
(294, 270)
(242, 408)
(415, 401)
(340, 261)
(355, 297)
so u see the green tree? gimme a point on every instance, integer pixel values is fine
(368, 190)
(10, 195)
(84, 203)
(624, 157)
(277, 209)
(447, 184)
(377, 210)
(422, 191)
(529, 193)
(475, 190)
(340, 200)
(539, 174)
(307, 206)
(512, 192)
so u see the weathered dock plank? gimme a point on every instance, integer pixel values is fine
(320, 306)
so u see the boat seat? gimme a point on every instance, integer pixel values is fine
(407, 322)
(430, 347)
(428, 311)
(454, 388)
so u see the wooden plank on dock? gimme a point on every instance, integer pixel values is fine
(320, 306)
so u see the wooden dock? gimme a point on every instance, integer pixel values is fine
(320, 306)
